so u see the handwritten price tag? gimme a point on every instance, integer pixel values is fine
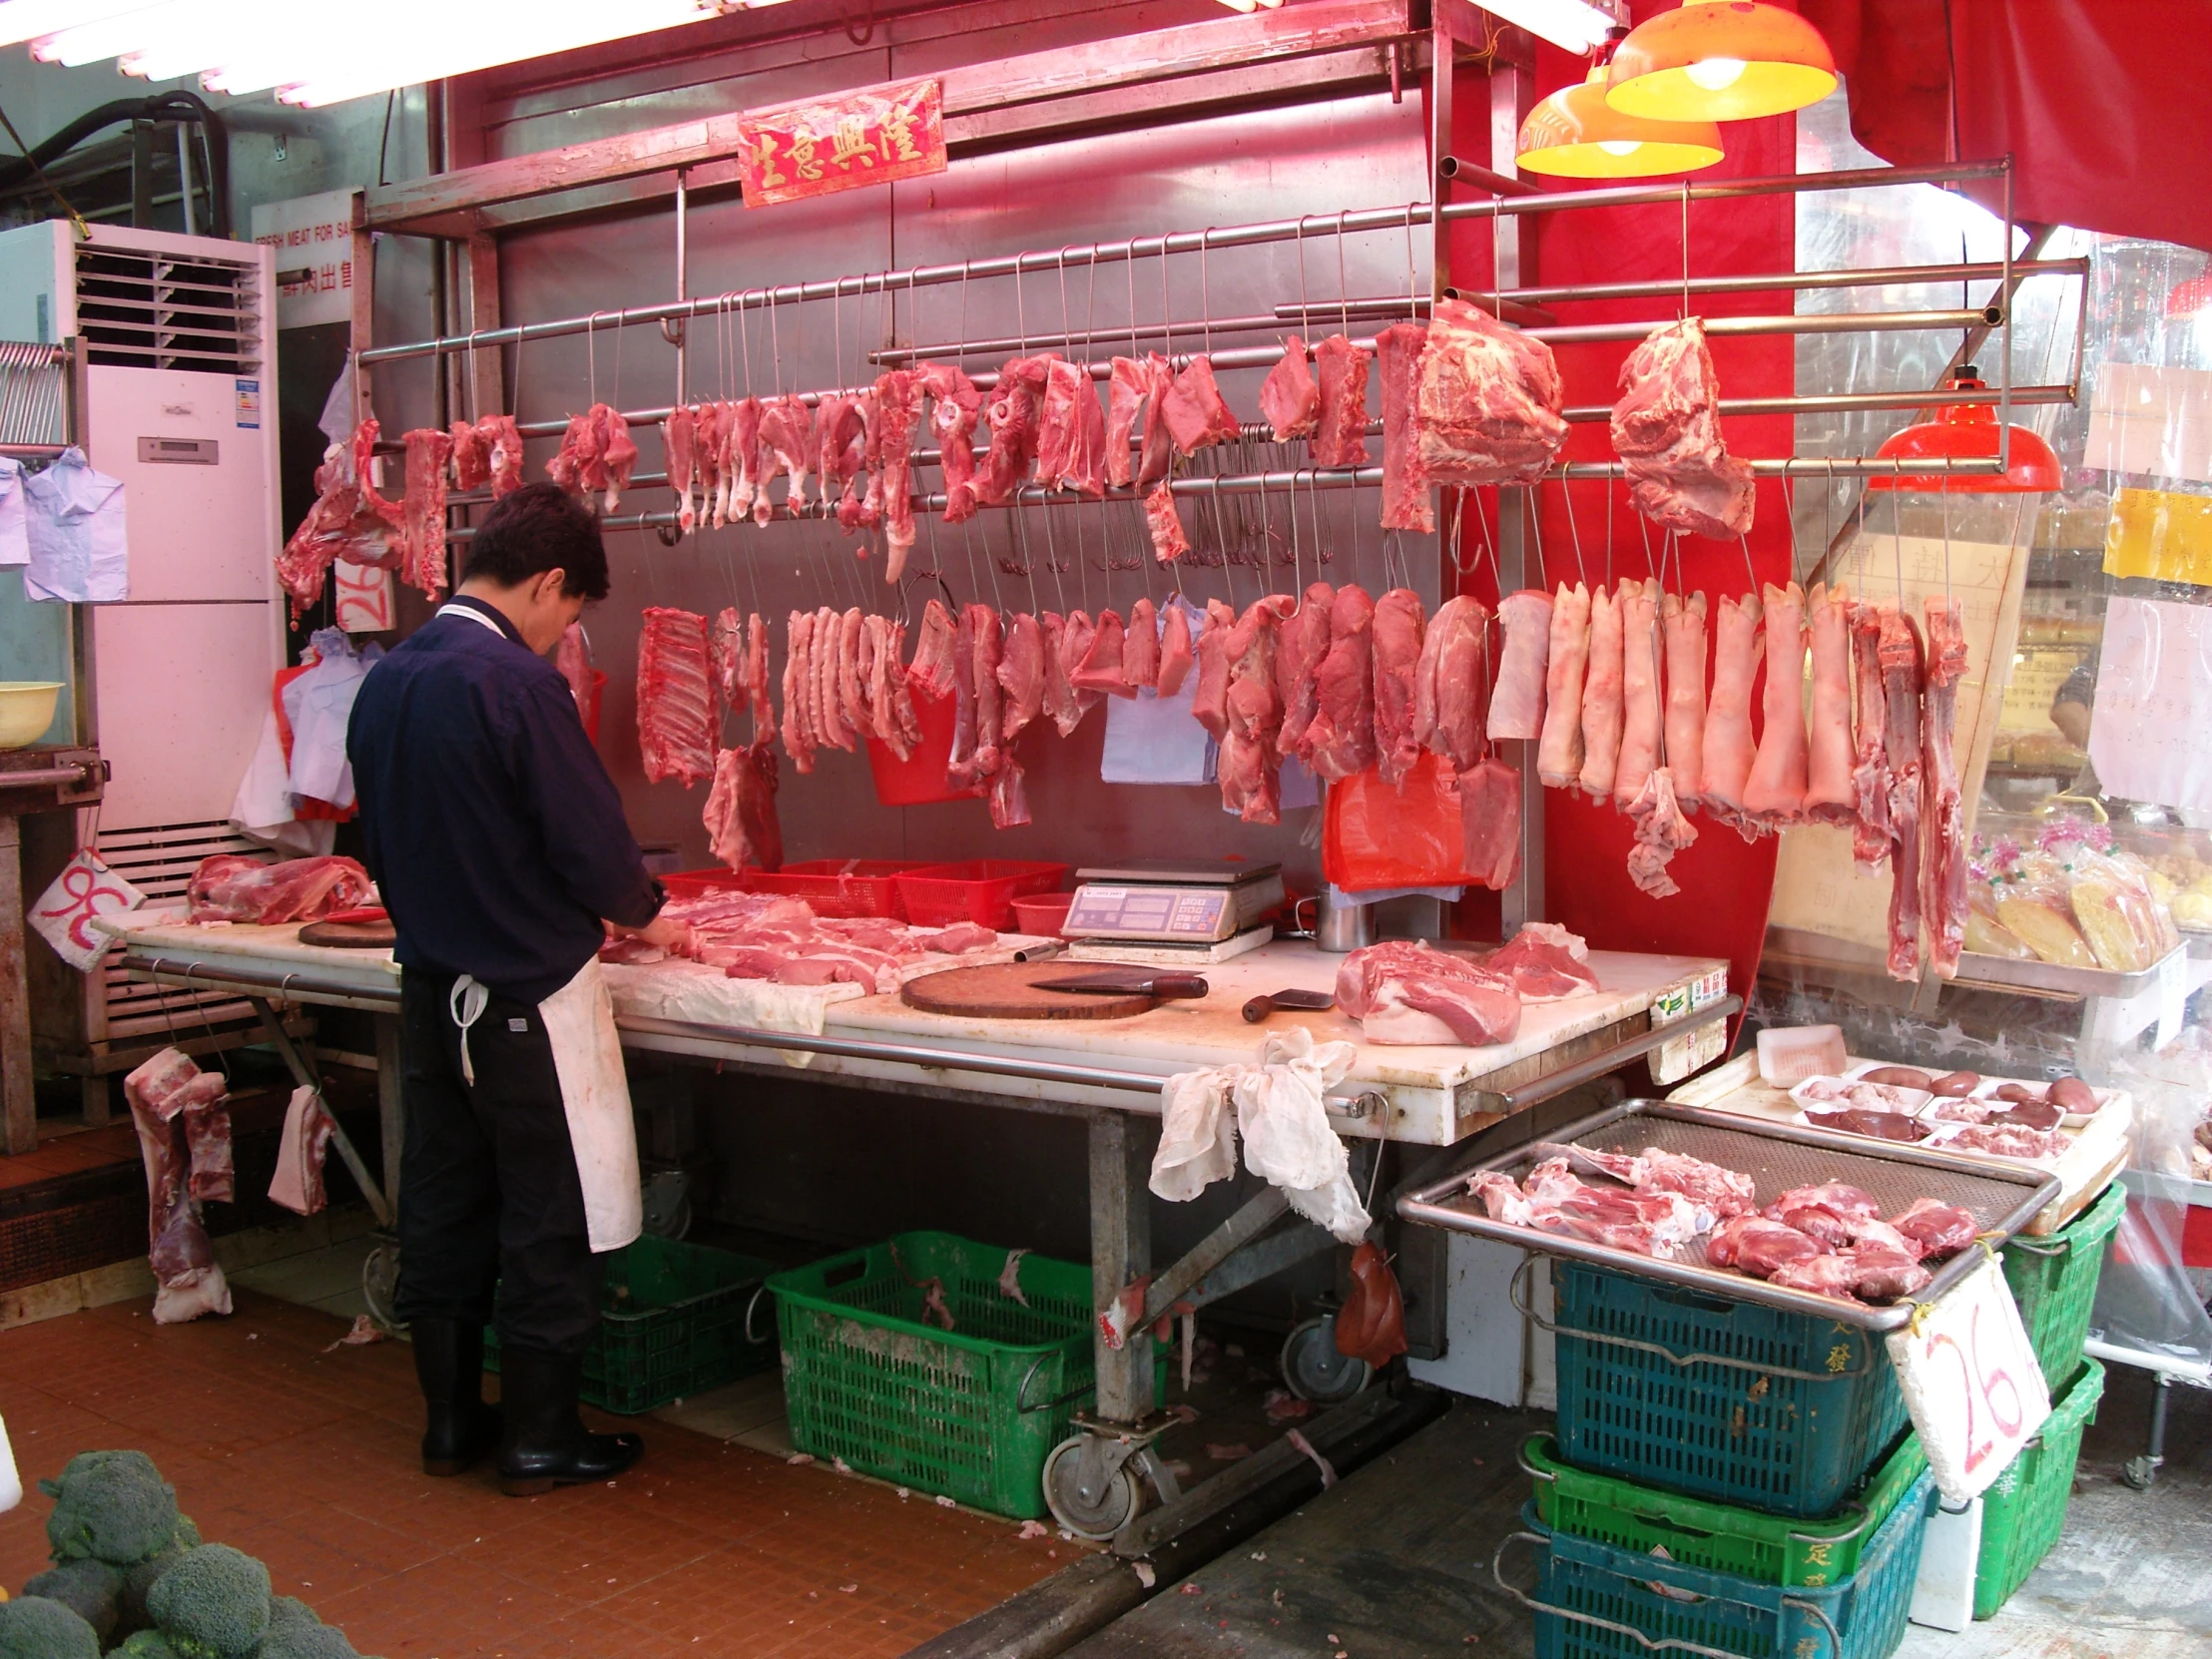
(63, 915)
(1972, 1383)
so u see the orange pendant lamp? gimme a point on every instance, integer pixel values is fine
(1967, 432)
(1720, 60)
(1575, 134)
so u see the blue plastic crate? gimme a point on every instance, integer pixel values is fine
(1716, 1397)
(1598, 1601)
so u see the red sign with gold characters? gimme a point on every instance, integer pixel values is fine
(794, 151)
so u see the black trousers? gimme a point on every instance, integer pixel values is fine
(489, 1197)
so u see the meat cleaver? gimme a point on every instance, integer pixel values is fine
(1168, 987)
(1260, 1007)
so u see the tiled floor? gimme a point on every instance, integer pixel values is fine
(305, 1455)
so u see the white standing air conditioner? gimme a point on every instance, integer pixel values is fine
(178, 341)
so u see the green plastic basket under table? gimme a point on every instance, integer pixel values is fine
(672, 1322)
(1773, 1549)
(2055, 1280)
(2025, 1511)
(969, 1413)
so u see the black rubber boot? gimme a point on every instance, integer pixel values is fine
(449, 1364)
(546, 1443)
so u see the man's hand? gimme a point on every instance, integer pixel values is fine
(672, 936)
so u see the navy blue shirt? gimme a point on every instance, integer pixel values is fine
(493, 831)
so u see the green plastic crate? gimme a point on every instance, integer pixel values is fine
(2025, 1511)
(1772, 1549)
(672, 1322)
(969, 1413)
(2054, 1279)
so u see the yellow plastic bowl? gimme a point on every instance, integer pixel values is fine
(26, 710)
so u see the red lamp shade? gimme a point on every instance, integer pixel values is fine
(2190, 299)
(1967, 432)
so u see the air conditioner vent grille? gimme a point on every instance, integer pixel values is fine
(154, 311)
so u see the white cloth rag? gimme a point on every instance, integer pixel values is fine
(1152, 738)
(78, 548)
(15, 531)
(319, 704)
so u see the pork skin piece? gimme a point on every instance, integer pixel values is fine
(1251, 766)
(1210, 701)
(1020, 677)
(1660, 832)
(1301, 642)
(1517, 699)
(1102, 668)
(1407, 504)
(1341, 439)
(1900, 738)
(1140, 652)
(1738, 644)
(1775, 791)
(1559, 745)
(1398, 648)
(1340, 740)
(1831, 797)
(1682, 627)
(1602, 708)
(931, 670)
(1487, 401)
(471, 454)
(677, 434)
(1870, 768)
(1942, 815)
(1403, 991)
(1642, 719)
(1451, 692)
(799, 735)
(1176, 656)
(1489, 822)
(955, 406)
(1289, 401)
(1666, 429)
(1164, 526)
(1196, 414)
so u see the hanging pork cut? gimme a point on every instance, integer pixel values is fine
(1251, 765)
(1163, 524)
(1340, 740)
(679, 453)
(742, 463)
(1210, 696)
(1489, 822)
(579, 448)
(1559, 745)
(1667, 430)
(841, 432)
(1196, 414)
(1683, 626)
(726, 661)
(1398, 648)
(1130, 386)
(1642, 719)
(1020, 677)
(1288, 399)
(1517, 699)
(572, 656)
(1870, 768)
(897, 413)
(1775, 793)
(1451, 692)
(798, 728)
(1302, 641)
(1831, 797)
(1341, 436)
(854, 658)
(1101, 668)
(1738, 644)
(1902, 667)
(617, 457)
(1065, 701)
(1010, 415)
(741, 828)
(931, 669)
(1942, 813)
(1175, 649)
(1488, 408)
(1604, 710)
(1405, 499)
(348, 522)
(422, 511)
(1140, 653)
(471, 454)
(675, 702)
(1061, 705)
(1661, 831)
(955, 406)
(505, 439)
(1058, 417)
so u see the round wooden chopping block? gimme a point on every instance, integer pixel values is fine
(349, 935)
(1008, 990)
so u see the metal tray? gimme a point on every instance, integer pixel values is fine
(2001, 1198)
(1974, 968)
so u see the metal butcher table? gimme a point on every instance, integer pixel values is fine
(1107, 1072)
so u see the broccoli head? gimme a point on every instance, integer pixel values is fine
(112, 1507)
(32, 1627)
(148, 1644)
(307, 1641)
(285, 1612)
(90, 1589)
(213, 1604)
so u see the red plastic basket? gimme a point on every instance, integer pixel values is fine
(918, 780)
(981, 890)
(837, 886)
(689, 884)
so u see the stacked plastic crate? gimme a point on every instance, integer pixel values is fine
(1725, 1477)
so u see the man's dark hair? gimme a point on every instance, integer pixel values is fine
(536, 529)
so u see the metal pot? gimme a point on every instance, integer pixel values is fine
(1338, 928)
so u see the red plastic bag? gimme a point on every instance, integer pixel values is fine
(1377, 835)
(1370, 1325)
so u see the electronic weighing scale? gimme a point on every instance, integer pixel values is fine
(1172, 909)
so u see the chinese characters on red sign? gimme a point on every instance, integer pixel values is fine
(794, 151)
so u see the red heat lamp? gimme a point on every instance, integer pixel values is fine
(1967, 432)
(2190, 299)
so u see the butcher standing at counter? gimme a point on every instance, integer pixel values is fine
(498, 842)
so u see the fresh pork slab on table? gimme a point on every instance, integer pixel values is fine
(1403, 991)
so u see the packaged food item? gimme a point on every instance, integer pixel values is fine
(2044, 931)
(1986, 936)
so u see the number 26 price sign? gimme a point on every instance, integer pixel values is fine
(1970, 1382)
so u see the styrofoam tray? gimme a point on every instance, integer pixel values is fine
(1909, 1101)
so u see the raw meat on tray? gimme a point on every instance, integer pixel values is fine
(1403, 991)
(229, 888)
(1754, 1244)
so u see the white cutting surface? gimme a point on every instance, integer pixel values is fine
(1419, 1082)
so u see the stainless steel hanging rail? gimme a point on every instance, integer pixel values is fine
(1192, 241)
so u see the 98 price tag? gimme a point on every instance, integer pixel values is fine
(1970, 1382)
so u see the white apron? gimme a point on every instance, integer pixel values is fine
(595, 1090)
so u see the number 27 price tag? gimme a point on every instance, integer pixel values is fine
(1970, 1382)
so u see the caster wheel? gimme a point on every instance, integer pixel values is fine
(1314, 1369)
(1096, 1515)
(2139, 1473)
(381, 1284)
(675, 1224)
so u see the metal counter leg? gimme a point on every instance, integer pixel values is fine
(2141, 1471)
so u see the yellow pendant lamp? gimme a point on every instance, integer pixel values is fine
(1575, 134)
(1720, 60)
